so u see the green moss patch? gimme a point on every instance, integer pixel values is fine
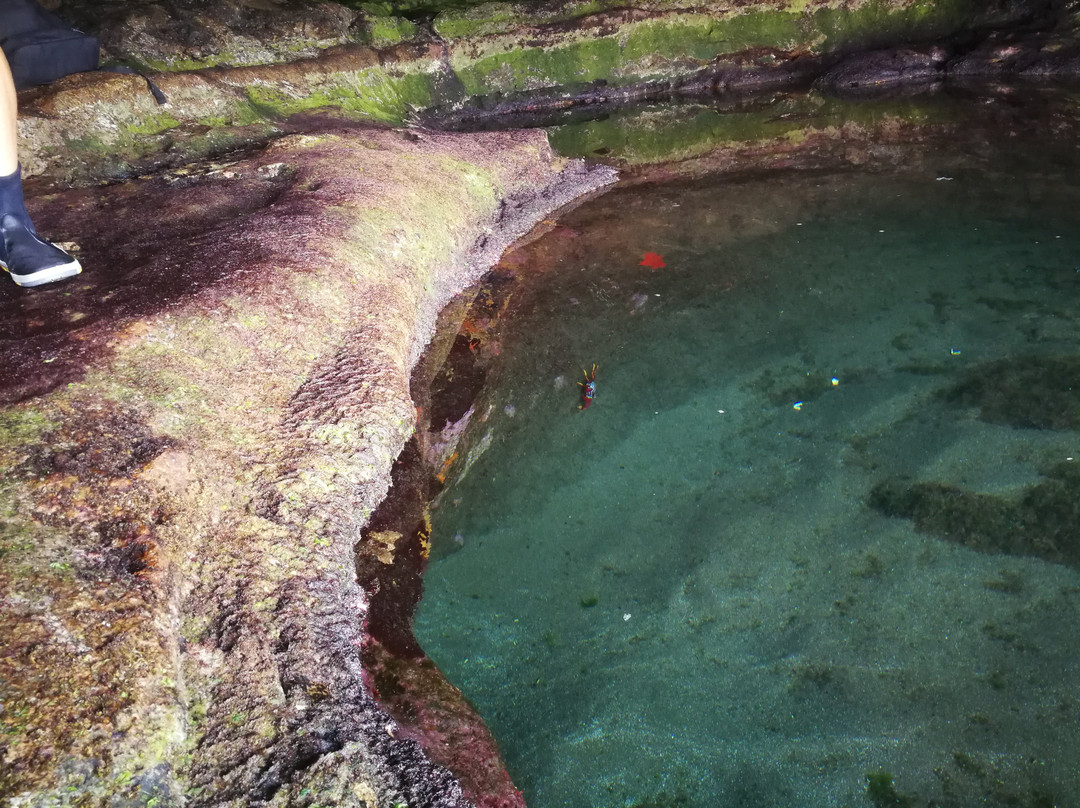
(21, 427)
(882, 793)
(705, 37)
(638, 51)
(384, 31)
(504, 48)
(153, 124)
(516, 69)
(372, 94)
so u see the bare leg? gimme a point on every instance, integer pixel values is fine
(9, 140)
(29, 259)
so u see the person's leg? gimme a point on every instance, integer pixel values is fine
(11, 199)
(9, 137)
(29, 260)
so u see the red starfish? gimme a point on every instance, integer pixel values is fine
(652, 261)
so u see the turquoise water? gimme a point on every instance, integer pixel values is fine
(692, 594)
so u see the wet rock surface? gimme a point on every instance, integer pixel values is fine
(869, 72)
(232, 73)
(178, 34)
(195, 430)
(1027, 56)
(396, 544)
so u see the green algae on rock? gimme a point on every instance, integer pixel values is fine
(191, 457)
(367, 62)
(501, 52)
(1039, 521)
(106, 123)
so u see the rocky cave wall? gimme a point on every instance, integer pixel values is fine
(194, 433)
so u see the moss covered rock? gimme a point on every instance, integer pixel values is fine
(1039, 521)
(367, 62)
(1024, 392)
(195, 430)
(504, 48)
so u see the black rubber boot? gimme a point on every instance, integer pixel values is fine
(11, 198)
(30, 260)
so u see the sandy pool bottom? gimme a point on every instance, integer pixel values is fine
(688, 595)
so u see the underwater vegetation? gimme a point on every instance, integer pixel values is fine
(1031, 393)
(664, 800)
(1024, 392)
(964, 778)
(881, 791)
(1041, 522)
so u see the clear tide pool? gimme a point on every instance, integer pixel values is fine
(774, 563)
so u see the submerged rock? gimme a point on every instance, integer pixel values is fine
(874, 71)
(1040, 521)
(1023, 392)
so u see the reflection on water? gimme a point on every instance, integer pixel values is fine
(816, 541)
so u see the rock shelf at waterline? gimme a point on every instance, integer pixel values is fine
(195, 429)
